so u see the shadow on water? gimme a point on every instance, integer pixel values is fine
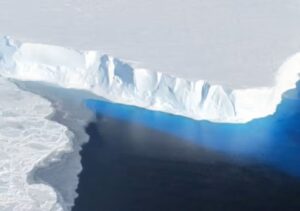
(274, 140)
(145, 160)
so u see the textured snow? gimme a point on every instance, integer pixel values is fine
(122, 82)
(27, 140)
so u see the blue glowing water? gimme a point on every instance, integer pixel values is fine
(274, 140)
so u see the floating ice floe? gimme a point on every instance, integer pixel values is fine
(27, 140)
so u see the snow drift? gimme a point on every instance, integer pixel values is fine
(122, 82)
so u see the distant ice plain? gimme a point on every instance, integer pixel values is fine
(233, 43)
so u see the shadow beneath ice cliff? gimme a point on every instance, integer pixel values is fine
(274, 140)
(138, 159)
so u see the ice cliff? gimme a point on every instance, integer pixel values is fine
(123, 82)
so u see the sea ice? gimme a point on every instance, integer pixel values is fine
(27, 140)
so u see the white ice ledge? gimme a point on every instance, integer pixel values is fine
(122, 82)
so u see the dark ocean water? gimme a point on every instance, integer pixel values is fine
(139, 160)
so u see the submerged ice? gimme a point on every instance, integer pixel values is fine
(123, 82)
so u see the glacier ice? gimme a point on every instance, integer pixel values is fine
(27, 140)
(227, 42)
(123, 82)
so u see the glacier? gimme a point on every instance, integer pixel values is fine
(124, 82)
(28, 140)
(233, 43)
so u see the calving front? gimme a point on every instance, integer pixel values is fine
(122, 82)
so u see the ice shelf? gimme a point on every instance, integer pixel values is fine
(123, 82)
(233, 43)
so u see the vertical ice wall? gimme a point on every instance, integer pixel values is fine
(123, 83)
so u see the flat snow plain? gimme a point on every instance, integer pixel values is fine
(233, 43)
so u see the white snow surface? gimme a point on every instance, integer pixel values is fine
(123, 82)
(229, 42)
(27, 140)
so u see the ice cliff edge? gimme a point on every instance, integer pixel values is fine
(122, 82)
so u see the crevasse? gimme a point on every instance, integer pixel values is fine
(122, 82)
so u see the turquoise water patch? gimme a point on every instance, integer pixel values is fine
(274, 140)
